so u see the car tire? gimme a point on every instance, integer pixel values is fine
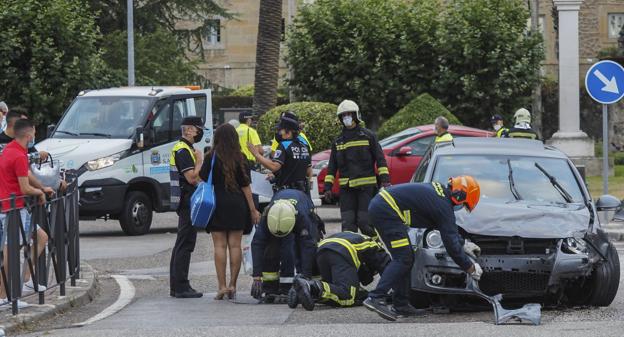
(136, 216)
(605, 279)
(420, 299)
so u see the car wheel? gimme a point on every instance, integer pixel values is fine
(605, 279)
(136, 216)
(420, 299)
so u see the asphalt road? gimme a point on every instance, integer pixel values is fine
(144, 261)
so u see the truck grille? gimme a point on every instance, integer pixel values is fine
(503, 282)
(493, 245)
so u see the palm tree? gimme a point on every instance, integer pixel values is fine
(267, 55)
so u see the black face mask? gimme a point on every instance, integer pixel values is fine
(198, 137)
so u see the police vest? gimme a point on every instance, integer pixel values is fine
(174, 175)
(446, 137)
(502, 132)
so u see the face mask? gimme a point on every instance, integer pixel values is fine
(347, 121)
(497, 127)
(198, 137)
(31, 143)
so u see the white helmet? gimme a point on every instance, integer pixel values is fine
(348, 106)
(281, 218)
(522, 116)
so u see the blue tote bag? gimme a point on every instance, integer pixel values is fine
(203, 203)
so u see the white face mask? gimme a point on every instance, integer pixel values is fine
(347, 121)
(497, 127)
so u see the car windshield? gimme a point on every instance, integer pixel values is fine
(106, 117)
(397, 137)
(493, 175)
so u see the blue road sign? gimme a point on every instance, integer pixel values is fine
(605, 82)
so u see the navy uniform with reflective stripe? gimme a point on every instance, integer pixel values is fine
(522, 133)
(354, 155)
(419, 205)
(265, 247)
(345, 260)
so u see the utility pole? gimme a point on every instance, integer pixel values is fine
(130, 43)
(537, 91)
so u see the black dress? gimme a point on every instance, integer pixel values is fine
(232, 212)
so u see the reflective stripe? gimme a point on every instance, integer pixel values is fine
(328, 295)
(363, 181)
(408, 217)
(270, 276)
(399, 243)
(354, 143)
(447, 137)
(383, 170)
(286, 279)
(392, 203)
(527, 135)
(347, 245)
(365, 245)
(343, 181)
(438, 188)
(329, 179)
(500, 132)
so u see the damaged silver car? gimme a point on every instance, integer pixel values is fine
(536, 224)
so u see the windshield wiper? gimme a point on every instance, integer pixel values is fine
(566, 196)
(67, 132)
(95, 134)
(512, 184)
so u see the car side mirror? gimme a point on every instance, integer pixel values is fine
(49, 130)
(608, 203)
(139, 137)
(404, 151)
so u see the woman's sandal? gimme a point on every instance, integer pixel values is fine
(221, 294)
(231, 293)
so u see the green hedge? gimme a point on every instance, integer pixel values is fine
(321, 125)
(248, 91)
(419, 111)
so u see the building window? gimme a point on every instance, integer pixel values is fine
(213, 33)
(283, 37)
(616, 21)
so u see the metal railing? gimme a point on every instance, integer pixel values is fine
(59, 262)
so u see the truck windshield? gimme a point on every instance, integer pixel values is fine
(103, 117)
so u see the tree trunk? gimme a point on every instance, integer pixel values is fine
(267, 55)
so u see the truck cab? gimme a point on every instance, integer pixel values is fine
(119, 142)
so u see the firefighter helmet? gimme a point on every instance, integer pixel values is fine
(281, 218)
(349, 106)
(465, 191)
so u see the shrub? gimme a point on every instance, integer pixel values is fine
(320, 122)
(248, 91)
(420, 111)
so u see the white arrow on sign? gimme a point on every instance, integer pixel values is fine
(610, 86)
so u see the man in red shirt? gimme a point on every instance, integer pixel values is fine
(14, 180)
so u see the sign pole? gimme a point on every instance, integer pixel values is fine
(605, 149)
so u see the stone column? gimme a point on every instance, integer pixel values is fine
(570, 139)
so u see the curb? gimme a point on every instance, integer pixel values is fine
(75, 297)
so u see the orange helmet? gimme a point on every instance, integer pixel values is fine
(465, 190)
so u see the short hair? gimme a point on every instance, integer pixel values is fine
(442, 122)
(22, 126)
(12, 116)
(3, 107)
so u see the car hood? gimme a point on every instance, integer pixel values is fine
(527, 220)
(73, 153)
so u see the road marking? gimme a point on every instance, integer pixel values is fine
(126, 294)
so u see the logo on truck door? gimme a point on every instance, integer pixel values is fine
(155, 157)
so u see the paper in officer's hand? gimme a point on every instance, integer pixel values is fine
(260, 185)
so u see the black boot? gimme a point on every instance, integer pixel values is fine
(307, 292)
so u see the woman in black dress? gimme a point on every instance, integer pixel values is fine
(235, 209)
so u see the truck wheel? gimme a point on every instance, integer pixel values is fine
(605, 279)
(136, 216)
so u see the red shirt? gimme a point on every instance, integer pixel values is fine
(13, 164)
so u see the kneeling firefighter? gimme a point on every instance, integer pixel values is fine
(289, 217)
(419, 205)
(345, 260)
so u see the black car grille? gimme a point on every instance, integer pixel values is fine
(493, 245)
(503, 282)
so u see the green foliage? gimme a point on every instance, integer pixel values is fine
(420, 111)
(321, 125)
(248, 91)
(475, 56)
(49, 54)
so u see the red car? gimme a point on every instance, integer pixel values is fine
(403, 152)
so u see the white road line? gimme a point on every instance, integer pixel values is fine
(126, 294)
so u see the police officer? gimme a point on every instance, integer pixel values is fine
(247, 134)
(291, 163)
(499, 126)
(345, 260)
(278, 138)
(424, 205)
(522, 127)
(290, 216)
(441, 126)
(354, 155)
(185, 163)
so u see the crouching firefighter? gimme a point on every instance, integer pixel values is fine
(344, 260)
(423, 205)
(289, 217)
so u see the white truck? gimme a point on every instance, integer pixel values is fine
(119, 141)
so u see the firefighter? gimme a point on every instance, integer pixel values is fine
(292, 162)
(344, 260)
(441, 125)
(422, 205)
(522, 127)
(499, 126)
(289, 217)
(354, 155)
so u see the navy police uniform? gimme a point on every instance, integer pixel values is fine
(294, 156)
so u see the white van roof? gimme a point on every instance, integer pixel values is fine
(137, 91)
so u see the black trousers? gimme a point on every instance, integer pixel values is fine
(181, 254)
(354, 209)
(339, 278)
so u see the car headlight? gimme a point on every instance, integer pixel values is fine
(100, 163)
(433, 239)
(574, 246)
(321, 165)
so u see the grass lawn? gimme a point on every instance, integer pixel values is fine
(616, 184)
